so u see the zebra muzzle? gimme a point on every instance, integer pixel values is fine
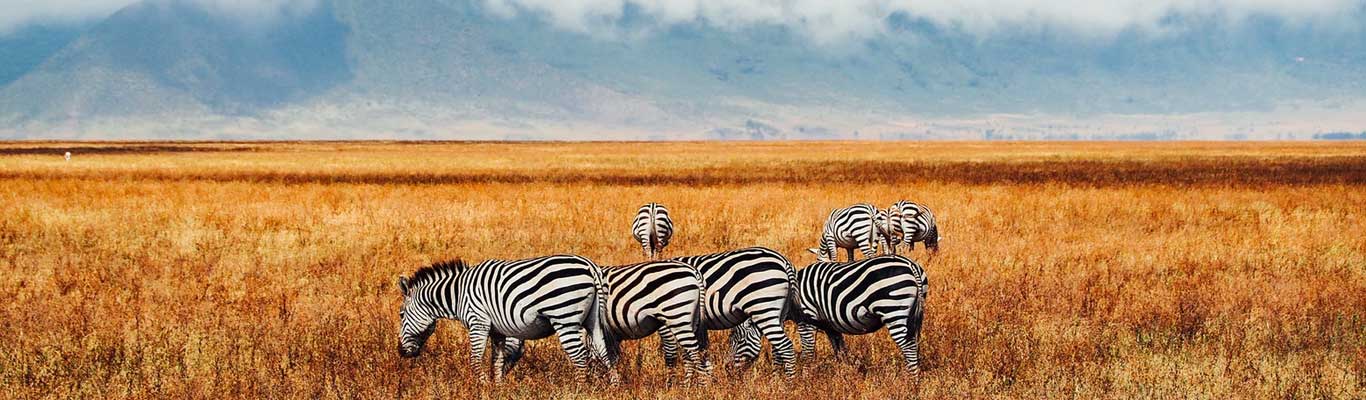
(408, 351)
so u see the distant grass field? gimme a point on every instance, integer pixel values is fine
(1149, 270)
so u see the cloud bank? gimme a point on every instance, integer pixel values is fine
(822, 20)
(829, 21)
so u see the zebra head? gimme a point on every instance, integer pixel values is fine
(417, 317)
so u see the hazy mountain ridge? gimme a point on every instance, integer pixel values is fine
(435, 68)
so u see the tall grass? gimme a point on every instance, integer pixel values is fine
(267, 270)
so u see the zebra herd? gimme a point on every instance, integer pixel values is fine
(751, 292)
(865, 227)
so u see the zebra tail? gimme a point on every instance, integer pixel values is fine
(596, 320)
(654, 231)
(793, 298)
(874, 235)
(701, 303)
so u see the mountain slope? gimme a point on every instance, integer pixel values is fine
(447, 68)
(25, 49)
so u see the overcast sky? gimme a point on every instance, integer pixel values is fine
(822, 20)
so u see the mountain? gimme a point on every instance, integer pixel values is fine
(452, 69)
(31, 45)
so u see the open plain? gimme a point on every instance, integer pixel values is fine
(267, 270)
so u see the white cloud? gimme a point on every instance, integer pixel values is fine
(822, 20)
(827, 20)
(16, 13)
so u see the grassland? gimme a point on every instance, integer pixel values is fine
(168, 270)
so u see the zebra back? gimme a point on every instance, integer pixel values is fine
(833, 292)
(917, 223)
(737, 275)
(851, 227)
(652, 227)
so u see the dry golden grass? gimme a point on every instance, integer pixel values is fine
(167, 270)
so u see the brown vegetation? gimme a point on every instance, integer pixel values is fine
(1068, 269)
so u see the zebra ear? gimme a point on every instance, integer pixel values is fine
(403, 285)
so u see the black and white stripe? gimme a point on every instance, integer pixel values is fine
(506, 302)
(657, 296)
(743, 285)
(849, 228)
(916, 224)
(653, 229)
(888, 229)
(855, 298)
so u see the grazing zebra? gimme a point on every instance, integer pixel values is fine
(658, 296)
(746, 286)
(517, 300)
(849, 228)
(916, 225)
(653, 229)
(650, 297)
(854, 298)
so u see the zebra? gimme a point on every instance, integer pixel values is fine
(916, 225)
(519, 300)
(849, 228)
(746, 286)
(658, 296)
(853, 298)
(653, 229)
(650, 297)
(887, 229)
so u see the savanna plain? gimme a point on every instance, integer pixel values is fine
(1093, 270)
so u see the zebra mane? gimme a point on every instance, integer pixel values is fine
(438, 268)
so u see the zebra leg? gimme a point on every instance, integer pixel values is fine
(496, 343)
(684, 333)
(807, 333)
(479, 335)
(670, 344)
(669, 349)
(906, 335)
(836, 343)
(512, 351)
(575, 343)
(703, 344)
(610, 356)
(828, 249)
(770, 323)
(851, 254)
